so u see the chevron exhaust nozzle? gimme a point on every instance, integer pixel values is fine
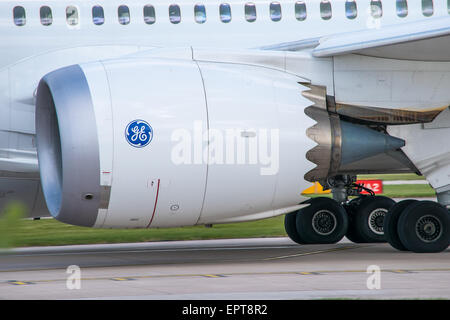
(340, 142)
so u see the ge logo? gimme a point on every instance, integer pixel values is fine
(138, 133)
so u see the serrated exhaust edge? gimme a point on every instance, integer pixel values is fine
(339, 142)
(317, 95)
(324, 155)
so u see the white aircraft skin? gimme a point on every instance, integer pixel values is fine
(33, 38)
(317, 49)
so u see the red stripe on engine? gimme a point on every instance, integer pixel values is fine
(156, 202)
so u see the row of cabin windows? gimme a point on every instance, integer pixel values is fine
(376, 8)
(123, 12)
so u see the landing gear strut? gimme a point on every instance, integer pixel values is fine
(366, 212)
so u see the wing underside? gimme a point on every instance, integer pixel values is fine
(425, 40)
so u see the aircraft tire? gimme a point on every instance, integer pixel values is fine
(291, 227)
(366, 222)
(391, 222)
(324, 221)
(424, 227)
(351, 208)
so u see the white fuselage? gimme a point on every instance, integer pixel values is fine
(30, 51)
(33, 38)
(31, 47)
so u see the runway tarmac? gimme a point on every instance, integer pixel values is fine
(266, 268)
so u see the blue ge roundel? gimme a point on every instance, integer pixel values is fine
(139, 133)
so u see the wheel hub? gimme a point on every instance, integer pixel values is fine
(429, 228)
(324, 222)
(376, 220)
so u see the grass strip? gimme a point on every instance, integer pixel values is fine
(50, 232)
(391, 177)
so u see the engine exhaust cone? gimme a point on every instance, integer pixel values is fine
(340, 143)
(360, 142)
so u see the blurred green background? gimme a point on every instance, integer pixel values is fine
(18, 232)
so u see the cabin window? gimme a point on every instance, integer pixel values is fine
(72, 15)
(98, 15)
(149, 14)
(124, 15)
(225, 12)
(250, 12)
(174, 13)
(427, 8)
(275, 11)
(20, 18)
(402, 8)
(376, 8)
(351, 10)
(325, 10)
(46, 16)
(300, 10)
(200, 13)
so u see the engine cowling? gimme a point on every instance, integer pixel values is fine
(189, 121)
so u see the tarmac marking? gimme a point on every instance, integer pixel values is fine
(401, 271)
(309, 273)
(312, 253)
(20, 283)
(122, 279)
(318, 272)
(119, 251)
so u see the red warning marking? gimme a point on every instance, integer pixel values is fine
(375, 185)
(156, 202)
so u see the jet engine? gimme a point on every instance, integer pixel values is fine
(138, 142)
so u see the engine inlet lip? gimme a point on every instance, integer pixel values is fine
(48, 142)
(68, 146)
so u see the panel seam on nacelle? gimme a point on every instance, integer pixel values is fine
(207, 132)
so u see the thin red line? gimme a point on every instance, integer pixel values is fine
(154, 208)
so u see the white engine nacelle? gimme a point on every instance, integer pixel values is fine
(136, 143)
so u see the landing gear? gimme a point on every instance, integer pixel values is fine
(366, 212)
(324, 221)
(421, 226)
(409, 225)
